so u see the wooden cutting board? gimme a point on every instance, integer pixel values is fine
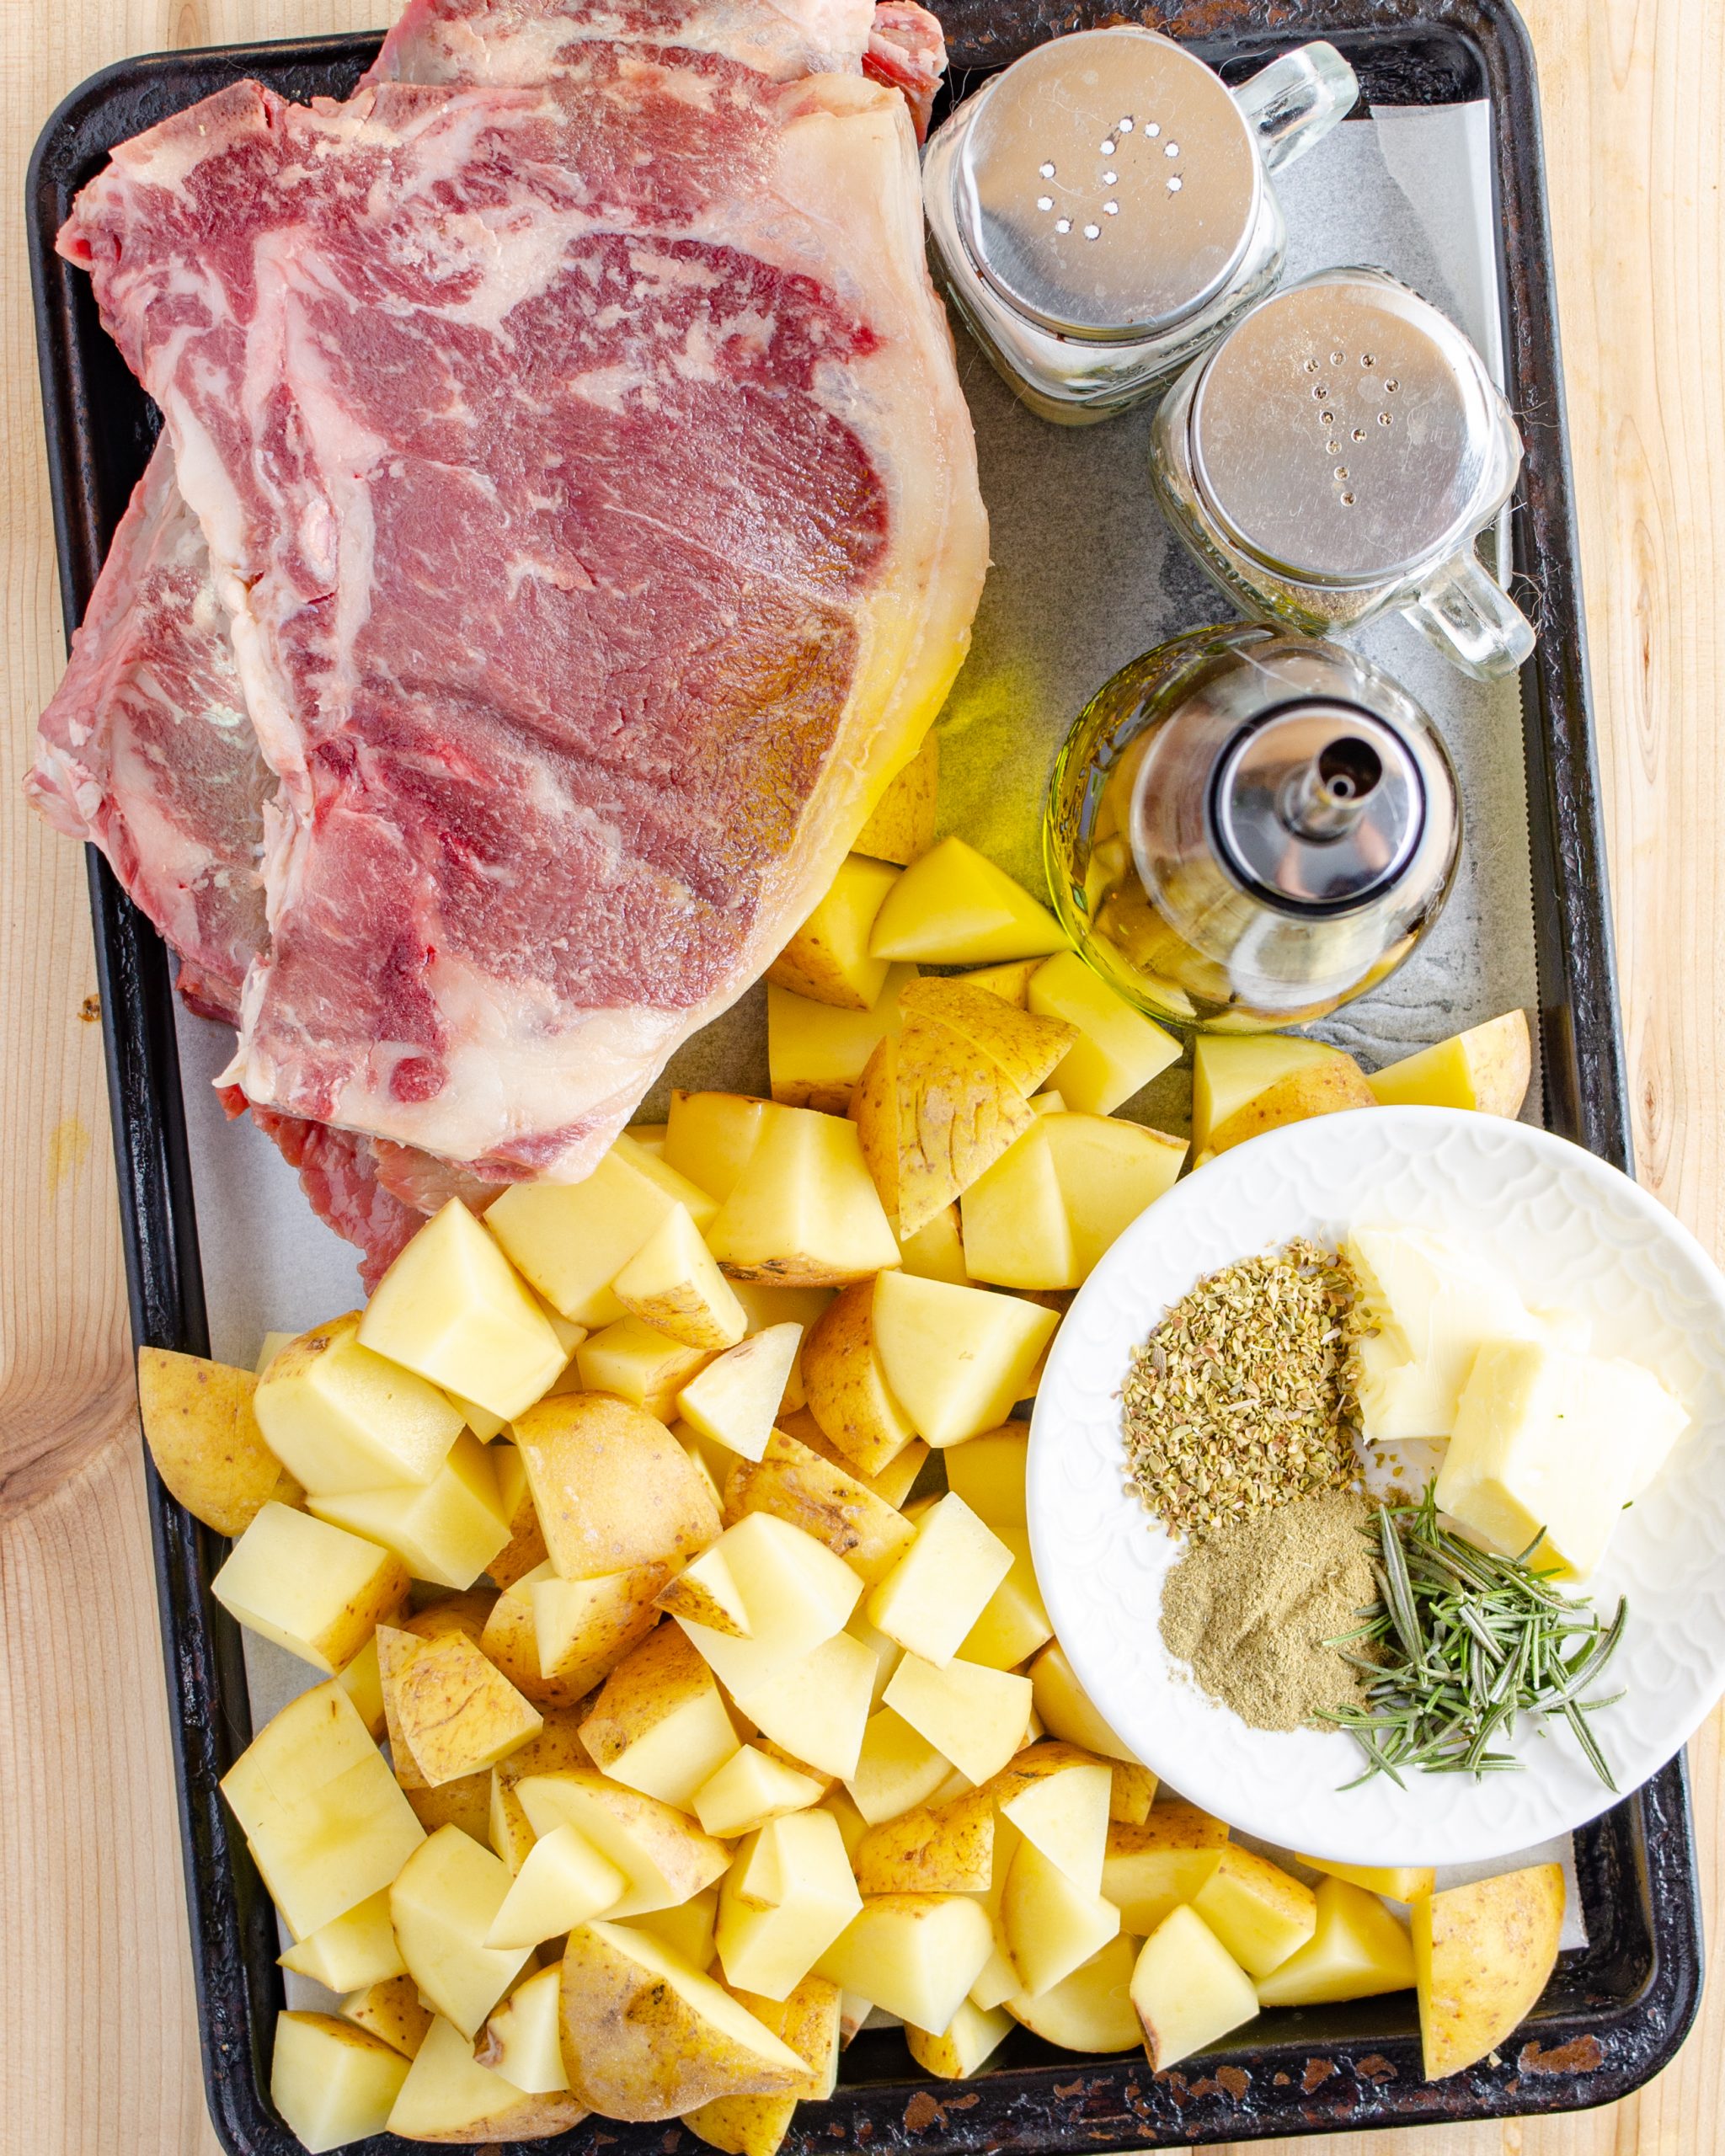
(100, 2053)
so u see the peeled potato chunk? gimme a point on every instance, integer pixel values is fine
(788, 1895)
(965, 2047)
(915, 1955)
(1261, 1913)
(1482, 1955)
(443, 1904)
(449, 2096)
(1092, 2009)
(333, 2082)
(1356, 1949)
(340, 1418)
(804, 1210)
(735, 1399)
(663, 1856)
(976, 1716)
(816, 1054)
(311, 1588)
(1486, 1069)
(954, 908)
(523, 2041)
(562, 1882)
(1397, 1883)
(672, 1284)
(828, 959)
(941, 1584)
(958, 1358)
(1118, 1050)
(446, 1530)
(1188, 1990)
(1065, 1708)
(749, 1790)
(352, 1951)
(1152, 1868)
(708, 1138)
(204, 1440)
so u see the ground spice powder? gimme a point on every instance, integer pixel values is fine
(1250, 1607)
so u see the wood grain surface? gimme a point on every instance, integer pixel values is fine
(99, 2056)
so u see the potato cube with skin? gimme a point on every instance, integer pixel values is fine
(988, 1473)
(1153, 1868)
(935, 1251)
(1053, 1924)
(816, 1054)
(1482, 1955)
(1356, 1948)
(659, 1725)
(944, 1847)
(1118, 1049)
(768, 1303)
(1016, 1229)
(887, 1655)
(794, 1592)
(572, 1239)
(449, 2096)
(1486, 1069)
(1327, 1087)
(364, 1685)
(390, 2011)
(463, 1803)
(954, 908)
(787, 1897)
(663, 1857)
(938, 1589)
(352, 1951)
(828, 958)
(1091, 2010)
(204, 1439)
(333, 2082)
(327, 1825)
(1395, 1882)
(914, 1954)
(1188, 1990)
(976, 1716)
(674, 1287)
(707, 1594)
(446, 1530)
(957, 1358)
(443, 1903)
(749, 1791)
(900, 827)
(448, 1706)
(1108, 1172)
(1063, 1812)
(709, 1137)
(646, 2036)
(807, 2021)
(1014, 1622)
(340, 1418)
(523, 2041)
(1066, 1708)
(896, 1769)
(1010, 982)
(558, 1745)
(848, 1394)
(687, 1927)
(555, 1639)
(891, 1483)
(803, 1209)
(812, 1494)
(525, 1551)
(1131, 1793)
(815, 1706)
(311, 1588)
(965, 2047)
(612, 1488)
(563, 1882)
(1261, 1913)
(638, 1364)
(735, 1399)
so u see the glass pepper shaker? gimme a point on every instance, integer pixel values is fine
(1336, 455)
(1246, 830)
(1102, 208)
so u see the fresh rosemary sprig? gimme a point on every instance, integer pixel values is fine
(1459, 1642)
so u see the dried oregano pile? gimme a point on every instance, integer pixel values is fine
(1243, 1398)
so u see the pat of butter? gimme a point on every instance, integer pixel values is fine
(1544, 1440)
(1434, 1304)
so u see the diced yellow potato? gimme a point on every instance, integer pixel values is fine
(1053, 1924)
(555, 1639)
(450, 1712)
(936, 1250)
(1016, 1233)
(807, 2021)
(816, 1054)
(800, 1486)
(888, 1654)
(787, 1897)
(446, 1530)
(327, 1824)
(564, 1879)
(673, 1286)
(1024, 1045)
(804, 1210)
(1188, 1990)
(629, 1360)
(443, 1903)
(1483, 1954)
(914, 1954)
(340, 1418)
(957, 1358)
(463, 1803)
(1131, 1794)
(1397, 1883)
(310, 1587)
(954, 908)
(363, 1683)
(749, 1791)
(988, 1473)
(901, 826)
(1118, 1049)
(975, 1716)
(1154, 1867)
(390, 2011)
(710, 1136)
(962, 2049)
(945, 1847)
(765, 1305)
(484, 1425)
(815, 1706)
(1486, 1068)
(659, 1725)
(897, 1769)
(204, 1439)
(525, 1548)
(1062, 1812)
(1014, 1622)
(848, 1394)
(352, 1951)
(331, 2082)
(1261, 1913)
(828, 959)
(713, 1460)
(686, 1927)
(612, 1488)
(734, 1400)
(794, 1593)
(453, 1309)
(1356, 1948)
(1065, 1709)
(1010, 982)
(663, 1857)
(942, 1585)
(449, 2096)
(648, 1136)
(523, 2041)
(1108, 1172)
(646, 2035)
(1242, 1083)
(572, 1239)
(558, 1745)
(1091, 2010)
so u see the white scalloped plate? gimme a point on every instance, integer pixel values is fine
(1576, 1235)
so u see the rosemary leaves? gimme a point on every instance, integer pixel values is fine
(1460, 1642)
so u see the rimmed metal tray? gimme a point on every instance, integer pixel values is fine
(1614, 2013)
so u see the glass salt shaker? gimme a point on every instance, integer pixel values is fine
(1336, 455)
(1246, 830)
(1102, 208)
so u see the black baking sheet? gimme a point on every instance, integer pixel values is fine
(1614, 2013)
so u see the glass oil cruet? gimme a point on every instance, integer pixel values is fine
(1246, 828)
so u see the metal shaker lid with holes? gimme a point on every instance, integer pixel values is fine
(1108, 184)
